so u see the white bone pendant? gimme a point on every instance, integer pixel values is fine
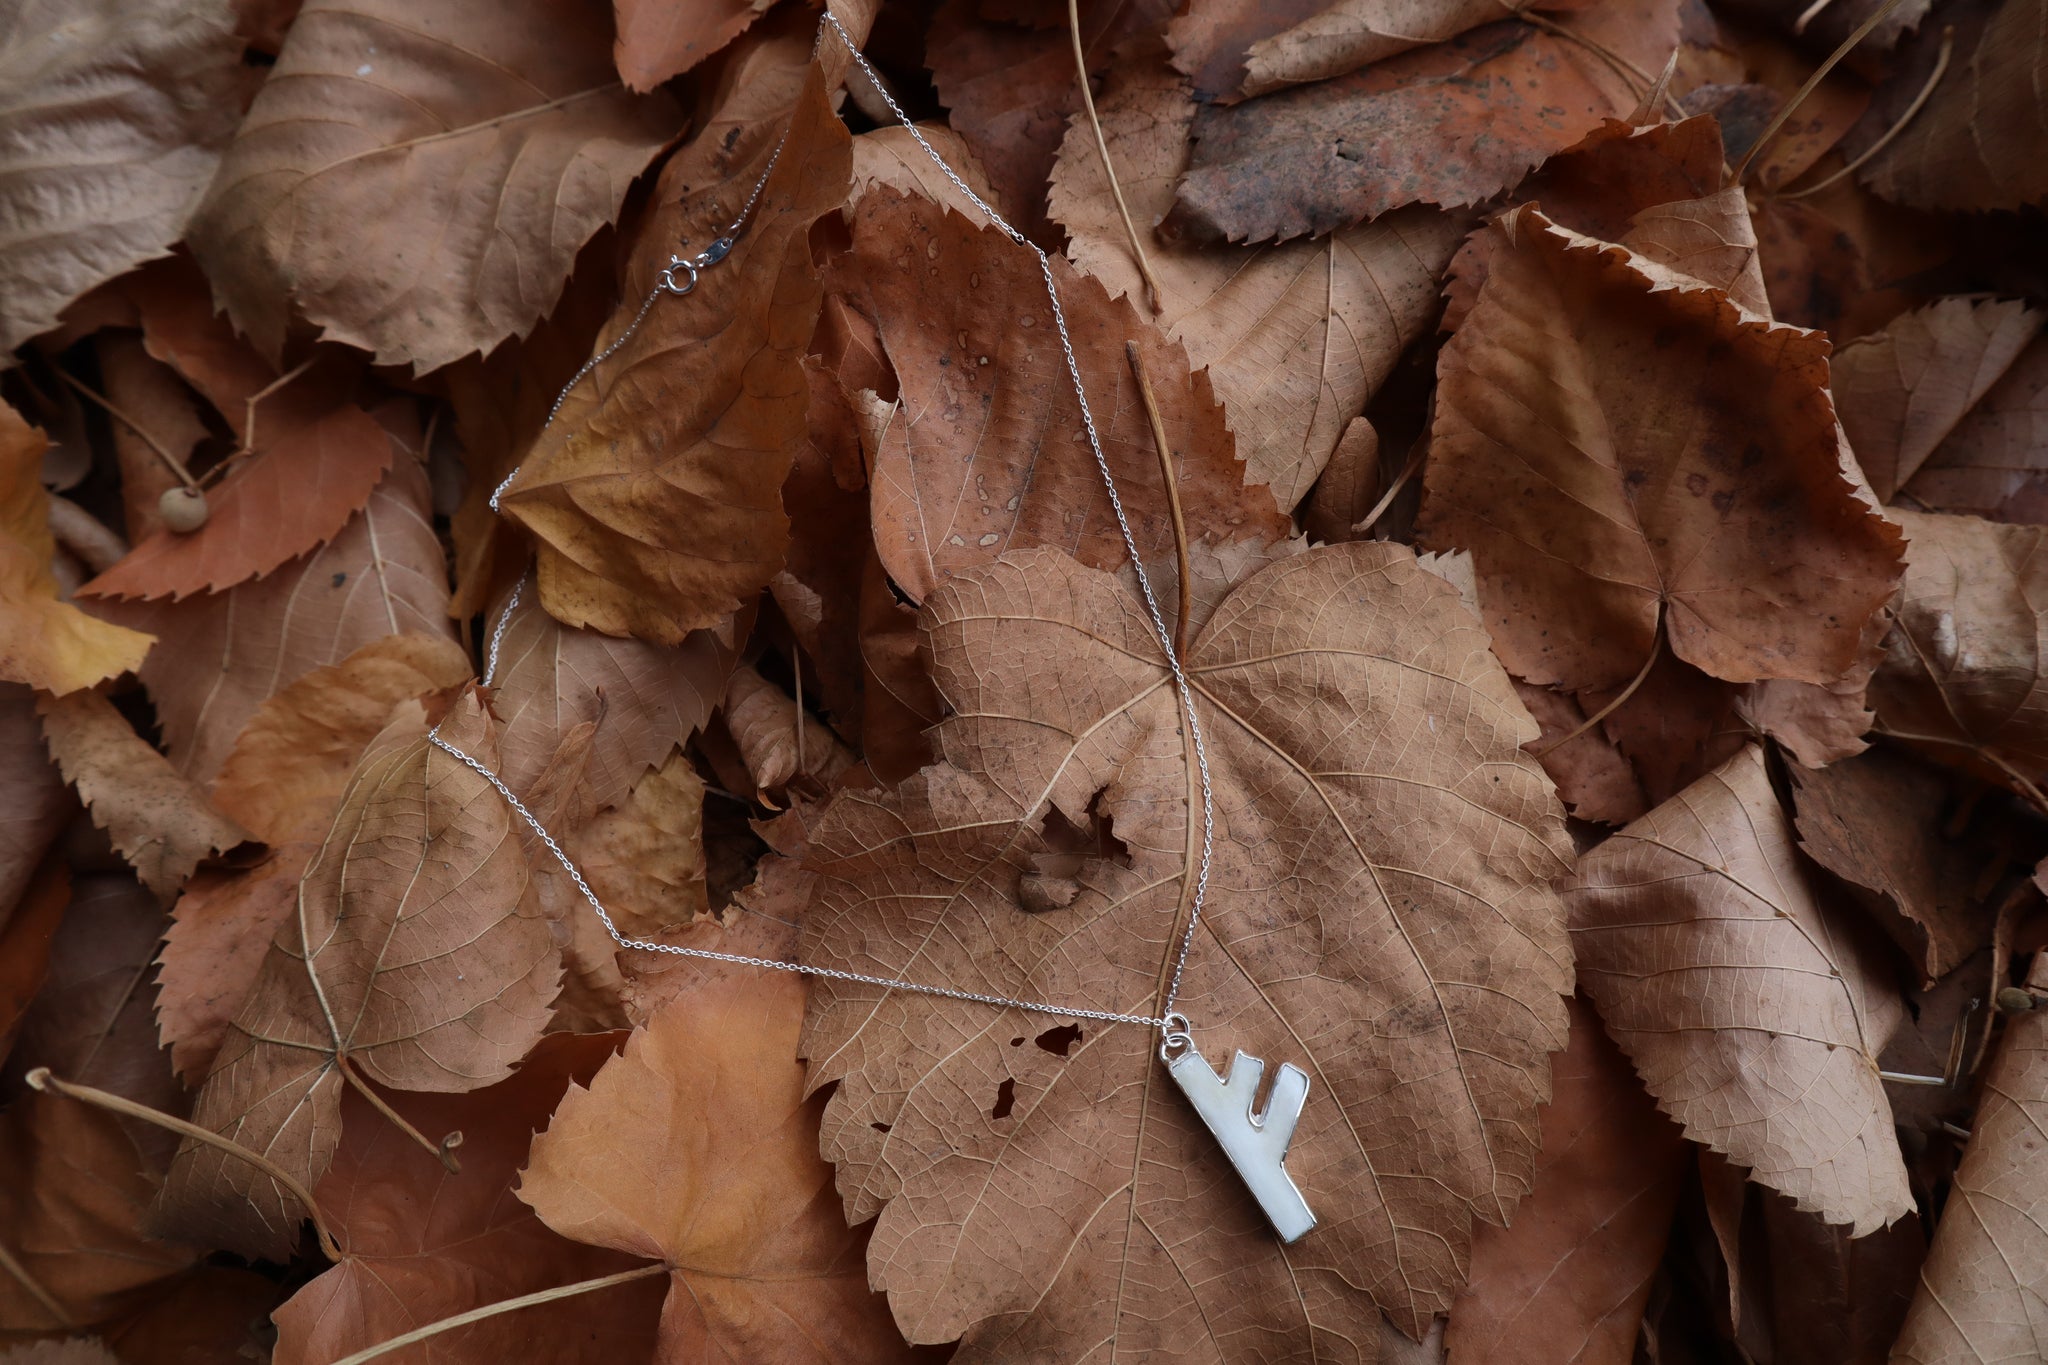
(1255, 1143)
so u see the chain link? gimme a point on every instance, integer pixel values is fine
(1173, 1025)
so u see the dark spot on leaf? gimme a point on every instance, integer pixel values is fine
(879, 1126)
(340, 579)
(1060, 1041)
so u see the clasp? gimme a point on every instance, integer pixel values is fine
(694, 265)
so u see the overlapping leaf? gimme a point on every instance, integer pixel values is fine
(1379, 914)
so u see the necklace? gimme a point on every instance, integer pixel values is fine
(1254, 1140)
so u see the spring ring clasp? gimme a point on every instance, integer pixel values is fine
(667, 278)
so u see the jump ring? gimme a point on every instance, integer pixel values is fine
(1176, 1035)
(668, 276)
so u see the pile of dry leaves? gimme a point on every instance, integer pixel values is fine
(1594, 456)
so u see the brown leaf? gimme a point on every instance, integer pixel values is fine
(1594, 780)
(778, 742)
(219, 937)
(383, 575)
(889, 157)
(993, 457)
(643, 699)
(1566, 1281)
(899, 705)
(1454, 123)
(655, 493)
(1903, 390)
(316, 461)
(1981, 139)
(1981, 1288)
(1007, 80)
(1881, 822)
(1995, 463)
(1657, 480)
(694, 1146)
(1753, 1010)
(1336, 687)
(419, 971)
(293, 759)
(424, 1244)
(113, 122)
(160, 821)
(659, 39)
(431, 205)
(1961, 677)
(26, 936)
(1350, 34)
(33, 804)
(1295, 338)
(149, 391)
(645, 859)
(44, 642)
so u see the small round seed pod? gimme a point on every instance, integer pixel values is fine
(183, 509)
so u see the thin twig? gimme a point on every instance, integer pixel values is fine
(1656, 652)
(2021, 782)
(443, 1151)
(1948, 43)
(41, 1079)
(491, 1310)
(1820, 72)
(796, 657)
(13, 1266)
(247, 447)
(171, 462)
(1379, 509)
(1180, 527)
(1152, 295)
(85, 535)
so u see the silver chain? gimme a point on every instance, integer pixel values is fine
(1172, 1025)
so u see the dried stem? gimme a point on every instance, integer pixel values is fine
(491, 1310)
(796, 666)
(1180, 527)
(248, 444)
(1820, 72)
(171, 462)
(41, 1079)
(2021, 782)
(13, 1266)
(443, 1151)
(1656, 652)
(1948, 44)
(1152, 295)
(1379, 509)
(85, 535)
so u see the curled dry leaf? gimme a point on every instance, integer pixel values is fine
(415, 176)
(1379, 913)
(1568, 1278)
(158, 819)
(408, 959)
(1685, 466)
(643, 699)
(1962, 676)
(1355, 33)
(383, 575)
(1983, 1284)
(991, 455)
(1454, 123)
(1006, 76)
(1995, 463)
(424, 1244)
(284, 781)
(888, 157)
(45, 642)
(113, 120)
(696, 1146)
(1981, 139)
(1901, 391)
(1295, 338)
(1754, 1010)
(777, 741)
(655, 493)
(1882, 823)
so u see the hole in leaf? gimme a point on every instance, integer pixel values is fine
(1016, 1042)
(1060, 1041)
(879, 1126)
(1006, 1100)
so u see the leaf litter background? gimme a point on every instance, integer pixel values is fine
(1613, 485)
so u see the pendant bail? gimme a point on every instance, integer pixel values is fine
(1176, 1036)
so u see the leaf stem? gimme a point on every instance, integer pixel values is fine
(171, 462)
(13, 1266)
(248, 443)
(442, 1151)
(1379, 509)
(1152, 294)
(41, 1079)
(1948, 44)
(1180, 526)
(1656, 652)
(1820, 72)
(491, 1310)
